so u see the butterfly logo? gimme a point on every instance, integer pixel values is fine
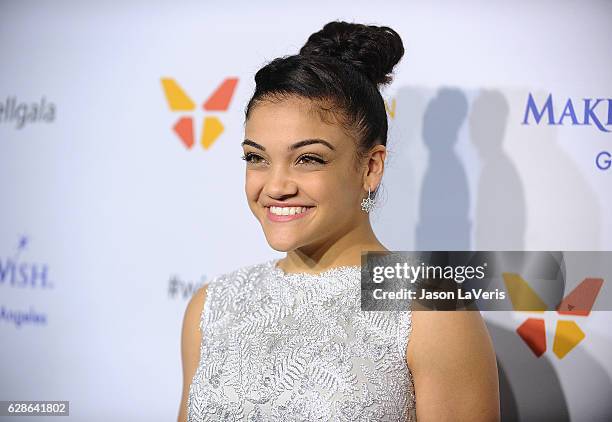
(568, 334)
(179, 101)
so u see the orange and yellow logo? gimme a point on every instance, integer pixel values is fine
(179, 101)
(568, 334)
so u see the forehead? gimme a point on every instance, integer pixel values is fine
(290, 120)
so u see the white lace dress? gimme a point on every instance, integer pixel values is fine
(298, 347)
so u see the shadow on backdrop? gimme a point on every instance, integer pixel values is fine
(500, 220)
(530, 389)
(444, 204)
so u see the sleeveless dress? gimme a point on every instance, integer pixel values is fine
(282, 346)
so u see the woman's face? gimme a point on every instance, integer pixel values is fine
(286, 173)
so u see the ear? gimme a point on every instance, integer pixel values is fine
(375, 167)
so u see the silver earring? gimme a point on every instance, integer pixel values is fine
(367, 203)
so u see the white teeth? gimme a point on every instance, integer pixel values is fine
(287, 210)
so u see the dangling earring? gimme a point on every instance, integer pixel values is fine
(367, 203)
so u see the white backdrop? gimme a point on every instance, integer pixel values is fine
(104, 210)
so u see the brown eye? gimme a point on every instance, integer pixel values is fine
(311, 159)
(249, 157)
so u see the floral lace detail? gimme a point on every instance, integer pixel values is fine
(282, 346)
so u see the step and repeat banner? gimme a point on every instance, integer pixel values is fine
(123, 189)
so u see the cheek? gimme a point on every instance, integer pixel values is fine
(253, 184)
(335, 185)
(326, 190)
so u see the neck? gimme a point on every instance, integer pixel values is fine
(333, 251)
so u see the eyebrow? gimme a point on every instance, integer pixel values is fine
(293, 147)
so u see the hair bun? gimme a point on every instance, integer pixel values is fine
(373, 50)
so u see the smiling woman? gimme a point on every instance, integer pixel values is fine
(286, 339)
(301, 161)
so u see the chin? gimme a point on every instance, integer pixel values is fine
(281, 245)
(281, 249)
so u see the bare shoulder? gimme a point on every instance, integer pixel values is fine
(451, 356)
(194, 308)
(458, 330)
(191, 339)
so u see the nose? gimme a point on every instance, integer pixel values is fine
(280, 183)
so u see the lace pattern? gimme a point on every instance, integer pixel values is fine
(282, 346)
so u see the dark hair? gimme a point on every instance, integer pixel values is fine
(339, 68)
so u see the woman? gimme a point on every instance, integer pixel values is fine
(286, 339)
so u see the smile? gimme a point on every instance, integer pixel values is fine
(280, 214)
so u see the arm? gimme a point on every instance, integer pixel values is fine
(452, 360)
(191, 338)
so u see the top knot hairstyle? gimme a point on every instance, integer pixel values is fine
(373, 50)
(340, 69)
